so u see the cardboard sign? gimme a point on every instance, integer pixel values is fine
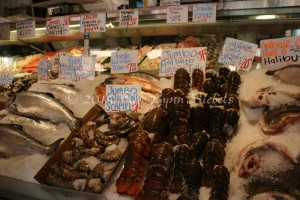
(187, 58)
(204, 13)
(25, 29)
(88, 68)
(93, 22)
(169, 2)
(237, 53)
(129, 18)
(122, 98)
(124, 61)
(177, 14)
(280, 52)
(69, 65)
(44, 66)
(57, 26)
(6, 78)
(4, 31)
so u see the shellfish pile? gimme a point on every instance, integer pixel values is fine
(93, 152)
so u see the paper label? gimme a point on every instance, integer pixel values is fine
(169, 2)
(44, 66)
(88, 68)
(93, 22)
(124, 61)
(204, 13)
(69, 65)
(57, 26)
(4, 31)
(237, 53)
(280, 52)
(177, 14)
(122, 98)
(187, 58)
(129, 18)
(25, 29)
(6, 78)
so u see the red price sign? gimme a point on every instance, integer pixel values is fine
(132, 67)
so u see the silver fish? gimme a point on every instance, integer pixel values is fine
(42, 106)
(14, 141)
(61, 92)
(30, 126)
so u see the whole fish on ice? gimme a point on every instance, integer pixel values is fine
(30, 126)
(14, 141)
(43, 106)
(288, 74)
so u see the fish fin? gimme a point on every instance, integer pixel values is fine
(52, 147)
(50, 95)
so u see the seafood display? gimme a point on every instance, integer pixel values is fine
(287, 74)
(138, 154)
(158, 173)
(267, 162)
(91, 154)
(18, 85)
(14, 141)
(37, 105)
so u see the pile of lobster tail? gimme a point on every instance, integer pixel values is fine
(193, 177)
(213, 155)
(157, 179)
(156, 122)
(181, 157)
(198, 119)
(220, 183)
(138, 154)
(182, 80)
(179, 114)
(216, 117)
(197, 79)
(200, 140)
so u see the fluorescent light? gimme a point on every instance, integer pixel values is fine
(265, 17)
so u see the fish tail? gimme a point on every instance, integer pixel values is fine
(53, 146)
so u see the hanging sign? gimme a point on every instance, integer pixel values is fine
(6, 78)
(122, 98)
(124, 61)
(57, 25)
(177, 14)
(4, 31)
(237, 53)
(44, 66)
(280, 52)
(187, 58)
(25, 29)
(204, 13)
(169, 2)
(93, 22)
(88, 68)
(129, 18)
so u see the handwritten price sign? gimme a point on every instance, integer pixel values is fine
(6, 78)
(187, 58)
(93, 22)
(122, 98)
(57, 26)
(169, 2)
(129, 18)
(280, 52)
(238, 53)
(25, 29)
(204, 13)
(177, 14)
(43, 68)
(124, 61)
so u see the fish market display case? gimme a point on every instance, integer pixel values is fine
(234, 18)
